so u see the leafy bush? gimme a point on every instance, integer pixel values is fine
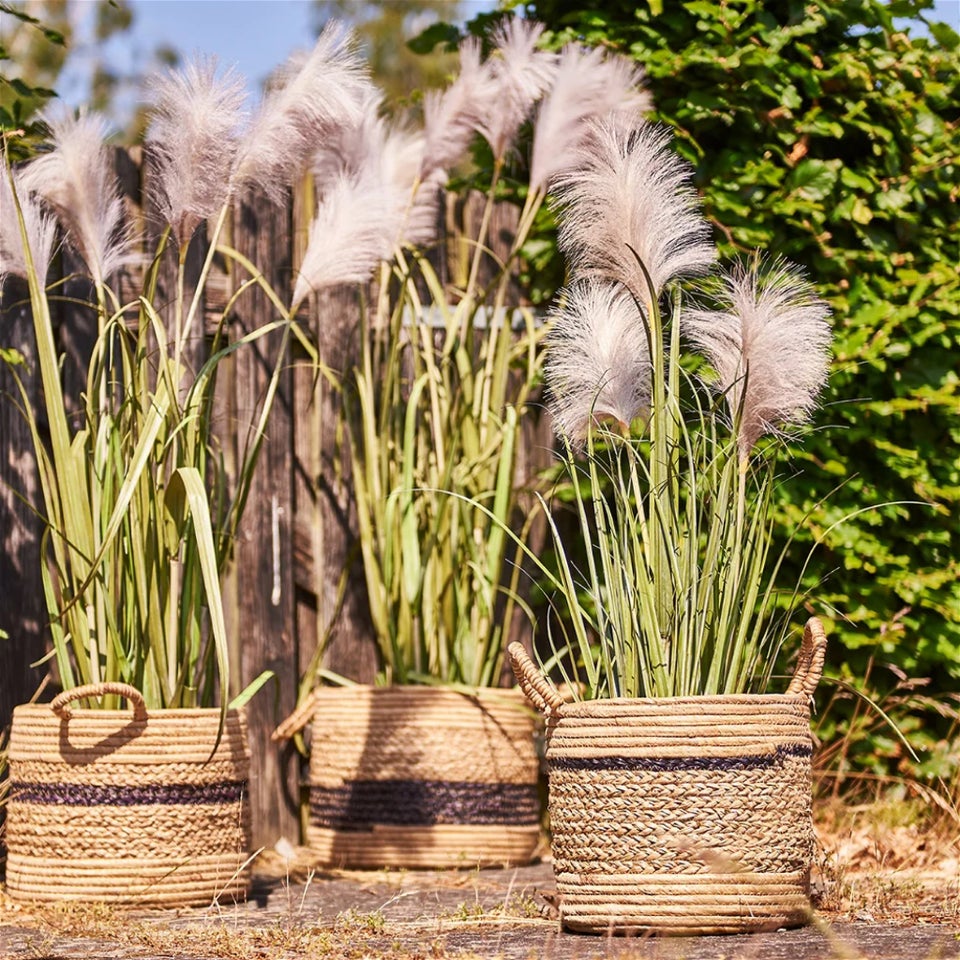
(825, 133)
(21, 96)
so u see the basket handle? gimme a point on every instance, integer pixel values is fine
(59, 703)
(297, 720)
(535, 686)
(810, 659)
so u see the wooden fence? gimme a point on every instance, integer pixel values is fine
(298, 533)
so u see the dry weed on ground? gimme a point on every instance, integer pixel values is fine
(891, 862)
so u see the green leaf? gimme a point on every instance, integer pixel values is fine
(945, 35)
(856, 181)
(425, 42)
(861, 212)
(814, 179)
(893, 200)
(409, 525)
(251, 689)
(186, 488)
(26, 90)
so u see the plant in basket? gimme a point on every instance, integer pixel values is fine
(139, 507)
(680, 795)
(435, 764)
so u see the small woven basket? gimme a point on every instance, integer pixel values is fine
(412, 776)
(684, 815)
(121, 807)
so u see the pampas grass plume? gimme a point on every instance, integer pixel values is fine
(370, 168)
(597, 358)
(193, 134)
(356, 222)
(624, 188)
(769, 345)
(352, 146)
(588, 84)
(76, 180)
(371, 148)
(522, 74)
(451, 117)
(315, 98)
(40, 230)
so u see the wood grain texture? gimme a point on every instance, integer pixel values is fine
(22, 610)
(351, 649)
(265, 622)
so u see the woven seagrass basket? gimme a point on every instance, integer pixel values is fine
(121, 807)
(411, 776)
(684, 815)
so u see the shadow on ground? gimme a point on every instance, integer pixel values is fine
(486, 913)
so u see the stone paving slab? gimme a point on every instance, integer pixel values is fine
(486, 913)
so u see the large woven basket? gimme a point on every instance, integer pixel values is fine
(681, 815)
(121, 807)
(411, 776)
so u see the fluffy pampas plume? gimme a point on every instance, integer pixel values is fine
(76, 180)
(356, 222)
(588, 84)
(377, 152)
(451, 117)
(314, 99)
(624, 189)
(352, 147)
(769, 345)
(193, 136)
(39, 228)
(597, 358)
(371, 201)
(522, 74)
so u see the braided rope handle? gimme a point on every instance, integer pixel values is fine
(810, 659)
(297, 720)
(135, 698)
(535, 686)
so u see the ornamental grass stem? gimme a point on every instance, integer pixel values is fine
(136, 541)
(677, 596)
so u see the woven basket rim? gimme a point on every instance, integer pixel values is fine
(425, 690)
(612, 704)
(44, 710)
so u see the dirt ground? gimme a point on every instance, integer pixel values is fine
(882, 889)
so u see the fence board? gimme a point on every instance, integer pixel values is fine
(351, 649)
(265, 617)
(22, 610)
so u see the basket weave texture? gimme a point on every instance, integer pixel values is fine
(136, 808)
(412, 776)
(683, 815)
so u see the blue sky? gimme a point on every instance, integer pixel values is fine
(254, 35)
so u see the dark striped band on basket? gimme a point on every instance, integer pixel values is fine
(415, 803)
(677, 764)
(128, 795)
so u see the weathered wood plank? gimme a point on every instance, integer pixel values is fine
(265, 615)
(351, 649)
(22, 610)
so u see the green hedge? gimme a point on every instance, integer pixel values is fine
(823, 132)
